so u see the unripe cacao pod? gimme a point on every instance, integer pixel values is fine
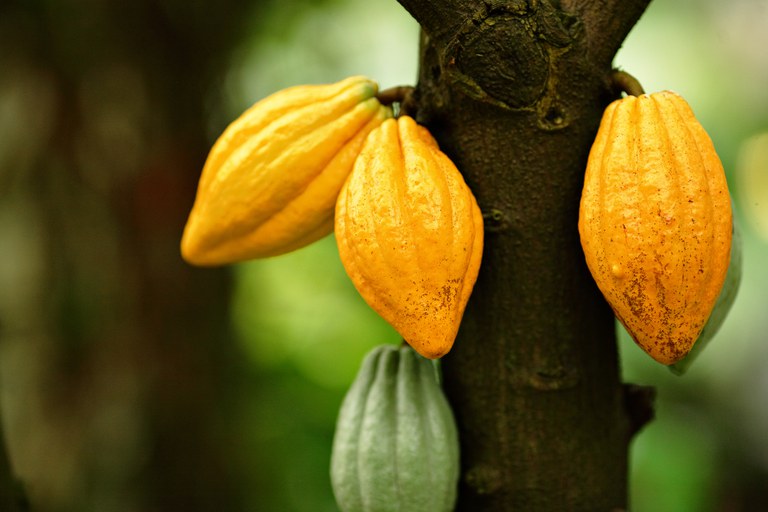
(722, 306)
(655, 221)
(395, 448)
(270, 182)
(410, 234)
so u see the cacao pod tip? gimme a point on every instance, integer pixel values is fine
(189, 249)
(432, 351)
(192, 250)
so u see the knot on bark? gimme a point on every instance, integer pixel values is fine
(503, 54)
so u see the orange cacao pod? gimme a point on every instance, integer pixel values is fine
(655, 221)
(410, 234)
(270, 182)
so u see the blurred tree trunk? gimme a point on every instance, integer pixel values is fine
(129, 367)
(12, 498)
(514, 92)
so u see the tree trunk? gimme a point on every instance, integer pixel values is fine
(513, 92)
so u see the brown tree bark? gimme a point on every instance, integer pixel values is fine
(513, 91)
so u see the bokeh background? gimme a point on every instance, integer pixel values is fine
(132, 382)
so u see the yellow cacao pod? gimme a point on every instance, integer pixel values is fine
(410, 234)
(270, 182)
(655, 221)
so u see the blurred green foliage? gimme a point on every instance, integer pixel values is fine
(300, 309)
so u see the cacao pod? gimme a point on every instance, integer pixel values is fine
(410, 234)
(656, 222)
(722, 306)
(270, 182)
(396, 446)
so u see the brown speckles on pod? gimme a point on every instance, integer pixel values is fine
(655, 221)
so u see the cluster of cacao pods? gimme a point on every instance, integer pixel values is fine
(409, 231)
(310, 160)
(656, 225)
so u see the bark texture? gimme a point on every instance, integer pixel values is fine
(513, 91)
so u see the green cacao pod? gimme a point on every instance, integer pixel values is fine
(396, 446)
(722, 306)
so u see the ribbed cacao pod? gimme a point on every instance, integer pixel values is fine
(656, 222)
(270, 182)
(395, 448)
(722, 306)
(410, 234)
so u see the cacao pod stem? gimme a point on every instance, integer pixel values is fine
(402, 95)
(624, 82)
